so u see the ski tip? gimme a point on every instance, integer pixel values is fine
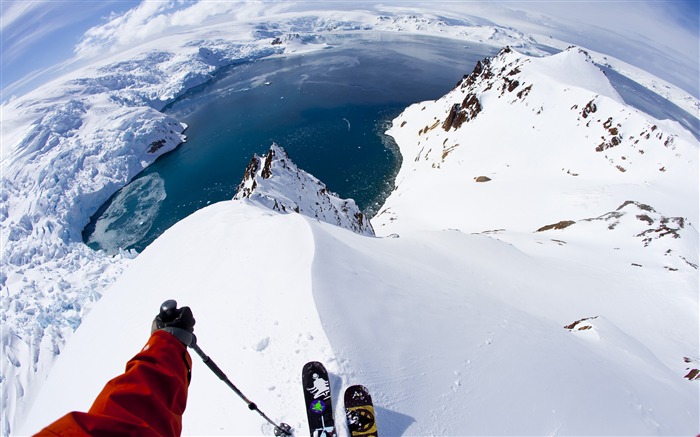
(357, 388)
(314, 365)
(357, 394)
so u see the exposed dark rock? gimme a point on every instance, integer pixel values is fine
(590, 108)
(573, 326)
(512, 84)
(249, 174)
(451, 117)
(154, 146)
(646, 218)
(609, 144)
(478, 69)
(524, 92)
(639, 205)
(561, 225)
(267, 166)
(472, 105)
(461, 113)
(481, 71)
(668, 226)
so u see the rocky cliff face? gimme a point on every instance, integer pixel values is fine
(274, 181)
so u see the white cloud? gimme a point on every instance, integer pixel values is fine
(124, 29)
(12, 12)
(153, 18)
(648, 34)
(38, 34)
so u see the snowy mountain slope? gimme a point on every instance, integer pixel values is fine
(255, 318)
(454, 334)
(69, 145)
(469, 339)
(549, 139)
(275, 182)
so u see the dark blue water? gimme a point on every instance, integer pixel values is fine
(329, 110)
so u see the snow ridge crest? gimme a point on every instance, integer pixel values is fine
(275, 182)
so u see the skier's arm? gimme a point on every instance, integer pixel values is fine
(148, 399)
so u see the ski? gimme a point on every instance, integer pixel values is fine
(317, 394)
(359, 412)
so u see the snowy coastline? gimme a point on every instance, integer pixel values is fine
(70, 145)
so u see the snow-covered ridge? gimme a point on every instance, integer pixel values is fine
(275, 182)
(448, 330)
(551, 138)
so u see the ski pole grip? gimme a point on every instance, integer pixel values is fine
(168, 310)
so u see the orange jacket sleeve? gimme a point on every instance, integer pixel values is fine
(148, 399)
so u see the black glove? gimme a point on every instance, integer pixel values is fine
(177, 321)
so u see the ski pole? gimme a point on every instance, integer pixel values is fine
(280, 430)
(168, 313)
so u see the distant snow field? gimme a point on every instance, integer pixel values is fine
(534, 272)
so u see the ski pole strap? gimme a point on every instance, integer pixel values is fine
(280, 430)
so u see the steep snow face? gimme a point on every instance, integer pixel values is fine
(522, 143)
(454, 334)
(462, 334)
(275, 182)
(246, 275)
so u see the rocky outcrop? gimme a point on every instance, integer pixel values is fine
(560, 225)
(275, 182)
(638, 221)
(460, 113)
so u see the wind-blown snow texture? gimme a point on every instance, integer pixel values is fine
(467, 308)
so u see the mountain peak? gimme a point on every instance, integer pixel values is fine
(548, 139)
(275, 182)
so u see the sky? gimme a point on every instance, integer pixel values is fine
(41, 39)
(38, 35)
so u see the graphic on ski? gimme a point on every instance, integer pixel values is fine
(359, 412)
(317, 393)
